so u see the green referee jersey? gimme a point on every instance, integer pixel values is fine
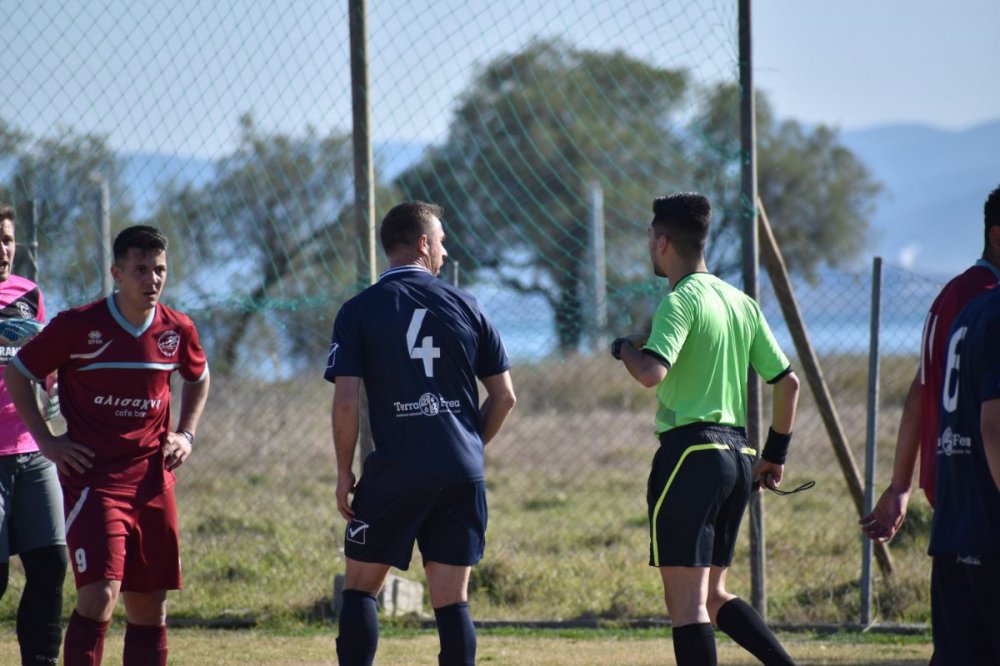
(709, 333)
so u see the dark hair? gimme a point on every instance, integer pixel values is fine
(139, 237)
(7, 213)
(683, 218)
(991, 213)
(406, 223)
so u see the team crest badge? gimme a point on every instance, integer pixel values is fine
(24, 310)
(168, 342)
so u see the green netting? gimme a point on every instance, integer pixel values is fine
(535, 125)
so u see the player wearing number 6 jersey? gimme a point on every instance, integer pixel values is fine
(965, 533)
(419, 345)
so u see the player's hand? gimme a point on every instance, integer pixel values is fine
(176, 450)
(887, 517)
(767, 474)
(345, 487)
(69, 457)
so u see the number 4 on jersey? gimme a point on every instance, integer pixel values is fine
(426, 351)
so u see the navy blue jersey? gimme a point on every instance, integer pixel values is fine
(967, 503)
(419, 344)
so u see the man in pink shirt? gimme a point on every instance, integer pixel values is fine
(31, 518)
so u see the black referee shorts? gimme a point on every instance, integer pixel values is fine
(698, 489)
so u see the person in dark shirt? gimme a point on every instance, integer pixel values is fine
(418, 345)
(965, 532)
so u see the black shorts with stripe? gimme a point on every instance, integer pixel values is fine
(698, 489)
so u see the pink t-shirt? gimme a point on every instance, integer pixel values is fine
(20, 298)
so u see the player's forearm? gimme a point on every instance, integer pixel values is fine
(22, 394)
(193, 399)
(498, 405)
(990, 428)
(907, 440)
(345, 433)
(644, 368)
(784, 402)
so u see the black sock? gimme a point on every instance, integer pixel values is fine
(39, 614)
(457, 634)
(745, 626)
(694, 645)
(357, 637)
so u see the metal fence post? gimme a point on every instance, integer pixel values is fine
(871, 434)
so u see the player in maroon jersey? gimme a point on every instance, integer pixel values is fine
(114, 359)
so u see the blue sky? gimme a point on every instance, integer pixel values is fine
(174, 77)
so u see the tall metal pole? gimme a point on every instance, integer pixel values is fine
(103, 216)
(36, 220)
(873, 381)
(598, 272)
(748, 189)
(364, 178)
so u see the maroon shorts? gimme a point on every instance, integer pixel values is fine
(118, 537)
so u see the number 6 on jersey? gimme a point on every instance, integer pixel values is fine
(426, 351)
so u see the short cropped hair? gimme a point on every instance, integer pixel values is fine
(406, 223)
(139, 237)
(7, 213)
(991, 213)
(683, 218)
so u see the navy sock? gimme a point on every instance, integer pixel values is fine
(694, 645)
(39, 614)
(357, 637)
(457, 634)
(745, 626)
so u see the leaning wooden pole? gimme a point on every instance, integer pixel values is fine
(775, 264)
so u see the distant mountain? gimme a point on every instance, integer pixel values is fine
(931, 217)
(148, 173)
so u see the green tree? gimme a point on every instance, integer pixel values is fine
(528, 140)
(537, 128)
(268, 238)
(62, 173)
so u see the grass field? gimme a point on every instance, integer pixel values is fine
(261, 538)
(401, 647)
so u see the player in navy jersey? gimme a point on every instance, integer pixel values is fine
(114, 359)
(418, 345)
(965, 533)
(918, 426)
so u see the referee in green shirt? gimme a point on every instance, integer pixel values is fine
(705, 336)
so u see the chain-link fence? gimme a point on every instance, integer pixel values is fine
(545, 130)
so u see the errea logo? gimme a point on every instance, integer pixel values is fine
(94, 338)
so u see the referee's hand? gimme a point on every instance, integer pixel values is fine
(767, 474)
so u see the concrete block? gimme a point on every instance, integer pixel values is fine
(399, 596)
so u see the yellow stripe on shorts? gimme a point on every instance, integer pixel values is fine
(680, 461)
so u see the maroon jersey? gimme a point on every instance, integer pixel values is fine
(114, 388)
(933, 352)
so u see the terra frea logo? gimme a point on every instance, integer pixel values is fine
(168, 342)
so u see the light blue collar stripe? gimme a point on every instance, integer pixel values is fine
(131, 366)
(135, 331)
(989, 265)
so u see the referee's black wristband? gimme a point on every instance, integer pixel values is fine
(616, 347)
(776, 447)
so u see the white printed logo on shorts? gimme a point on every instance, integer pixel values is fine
(356, 531)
